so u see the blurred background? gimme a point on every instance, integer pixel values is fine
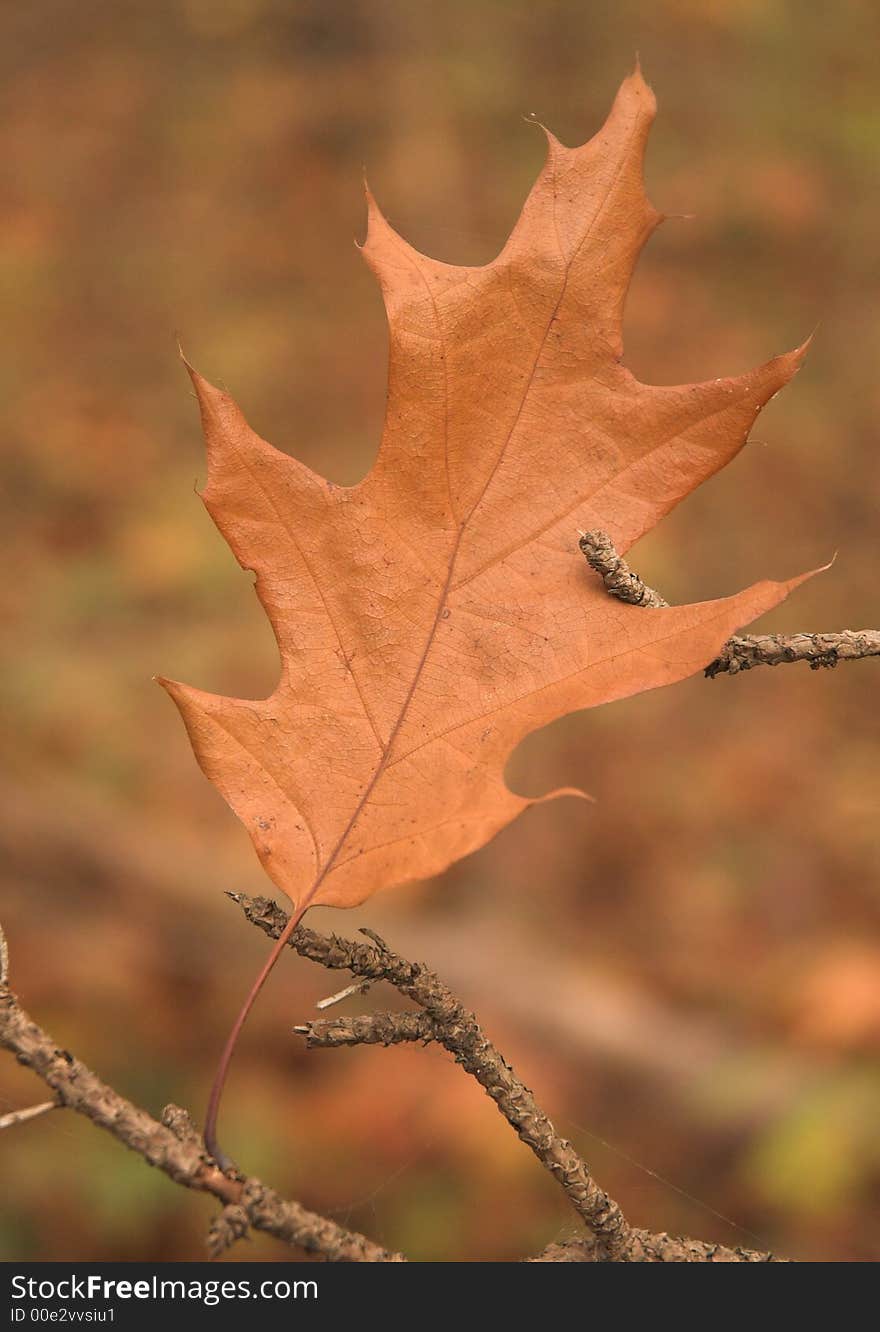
(687, 972)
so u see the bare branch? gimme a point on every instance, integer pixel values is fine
(740, 653)
(818, 650)
(649, 1248)
(174, 1146)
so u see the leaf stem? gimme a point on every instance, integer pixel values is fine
(211, 1144)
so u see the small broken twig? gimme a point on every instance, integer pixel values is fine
(29, 1112)
(359, 987)
(230, 1224)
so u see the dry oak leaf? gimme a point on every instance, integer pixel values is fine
(433, 615)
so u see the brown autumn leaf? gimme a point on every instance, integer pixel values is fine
(433, 615)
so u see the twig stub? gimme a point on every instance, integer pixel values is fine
(369, 1029)
(29, 1112)
(619, 579)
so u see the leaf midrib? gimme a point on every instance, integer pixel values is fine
(385, 759)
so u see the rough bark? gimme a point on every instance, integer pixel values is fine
(619, 579)
(817, 650)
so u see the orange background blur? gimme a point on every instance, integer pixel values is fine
(688, 972)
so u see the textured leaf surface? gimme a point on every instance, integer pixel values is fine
(433, 615)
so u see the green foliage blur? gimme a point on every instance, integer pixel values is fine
(687, 972)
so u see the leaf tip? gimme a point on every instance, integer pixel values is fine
(171, 687)
(223, 424)
(778, 590)
(771, 377)
(812, 573)
(574, 791)
(552, 141)
(382, 245)
(801, 351)
(635, 88)
(178, 693)
(794, 359)
(182, 354)
(185, 697)
(208, 395)
(377, 224)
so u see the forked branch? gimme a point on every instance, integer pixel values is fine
(444, 1019)
(173, 1144)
